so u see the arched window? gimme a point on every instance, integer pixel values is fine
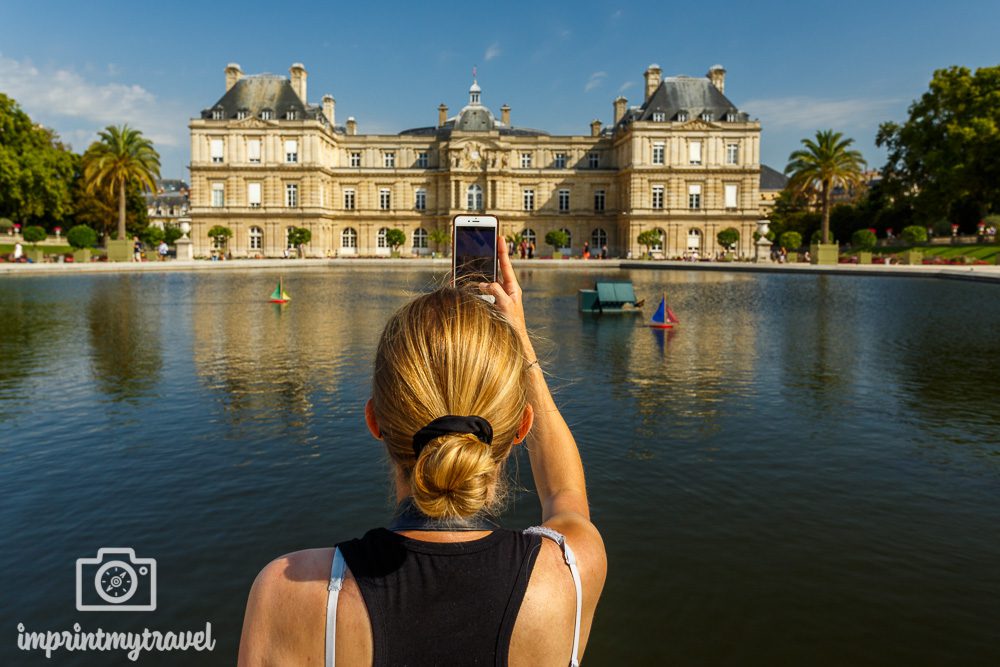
(349, 238)
(420, 238)
(474, 198)
(256, 238)
(598, 238)
(569, 237)
(658, 246)
(529, 236)
(380, 241)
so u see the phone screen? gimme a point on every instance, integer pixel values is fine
(475, 254)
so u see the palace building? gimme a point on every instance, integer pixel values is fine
(684, 162)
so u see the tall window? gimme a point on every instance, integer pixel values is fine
(694, 197)
(266, 114)
(217, 150)
(253, 151)
(420, 199)
(217, 114)
(598, 238)
(288, 238)
(355, 159)
(529, 200)
(291, 151)
(525, 160)
(569, 237)
(256, 238)
(290, 114)
(388, 159)
(529, 235)
(707, 117)
(560, 161)
(694, 152)
(422, 160)
(732, 153)
(349, 238)
(242, 114)
(420, 238)
(730, 117)
(291, 195)
(564, 201)
(474, 198)
(349, 199)
(659, 116)
(658, 245)
(385, 199)
(600, 198)
(658, 153)
(380, 238)
(593, 160)
(253, 195)
(218, 194)
(732, 195)
(657, 196)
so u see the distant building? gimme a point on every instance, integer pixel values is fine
(772, 183)
(264, 160)
(168, 204)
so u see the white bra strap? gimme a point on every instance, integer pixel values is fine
(333, 594)
(570, 559)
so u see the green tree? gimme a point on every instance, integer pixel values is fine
(728, 237)
(81, 236)
(171, 233)
(298, 237)
(864, 239)
(824, 163)
(98, 208)
(790, 240)
(395, 238)
(36, 169)
(945, 159)
(33, 234)
(648, 238)
(440, 237)
(152, 236)
(914, 234)
(221, 235)
(556, 238)
(121, 156)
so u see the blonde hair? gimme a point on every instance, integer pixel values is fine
(450, 353)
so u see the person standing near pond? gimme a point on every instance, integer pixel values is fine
(456, 387)
(18, 251)
(162, 250)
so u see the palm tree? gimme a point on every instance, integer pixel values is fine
(823, 165)
(122, 155)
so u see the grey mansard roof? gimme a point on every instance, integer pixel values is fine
(445, 130)
(685, 94)
(259, 92)
(772, 179)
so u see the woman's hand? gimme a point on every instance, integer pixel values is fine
(508, 294)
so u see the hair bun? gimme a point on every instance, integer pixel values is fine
(453, 475)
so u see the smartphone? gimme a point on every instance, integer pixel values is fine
(474, 249)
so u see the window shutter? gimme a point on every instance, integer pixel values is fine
(730, 195)
(253, 193)
(217, 147)
(253, 150)
(694, 151)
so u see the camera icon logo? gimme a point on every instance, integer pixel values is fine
(115, 580)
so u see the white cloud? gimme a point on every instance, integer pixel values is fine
(77, 107)
(808, 113)
(492, 51)
(595, 80)
(625, 86)
(617, 15)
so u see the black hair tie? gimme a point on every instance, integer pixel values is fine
(473, 424)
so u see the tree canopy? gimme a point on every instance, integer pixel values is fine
(945, 159)
(121, 156)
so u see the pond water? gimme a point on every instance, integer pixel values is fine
(805, 472)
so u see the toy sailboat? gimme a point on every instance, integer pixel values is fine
(663, 318)
(279, 295)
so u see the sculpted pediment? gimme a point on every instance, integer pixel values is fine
(254, 123)
(699, 124)
(474, 153)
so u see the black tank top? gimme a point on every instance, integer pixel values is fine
(436, 603)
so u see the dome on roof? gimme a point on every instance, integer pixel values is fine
(474, 88)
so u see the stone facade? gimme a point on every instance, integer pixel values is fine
(685, 161)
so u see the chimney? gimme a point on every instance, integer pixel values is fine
(595, 128)
(505, 115)
(298, 75)
(330, 109)
(652, 80)
(717, 75)
(233, 74)
(442, 115)
(620, 105)
(352, 125)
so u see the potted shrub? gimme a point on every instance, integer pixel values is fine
(221, 236)
(6, 226)
(823, 253)
(395, 238)
(557, 238)
(33, 234)
(441, 239)
(728, 238)
(298, 237)
(82, 238)
(864, 240)
(914, 235)
(791, 242)
(649, 238)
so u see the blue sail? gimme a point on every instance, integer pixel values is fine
(660, 316)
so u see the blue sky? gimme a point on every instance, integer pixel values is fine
(796, 66)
